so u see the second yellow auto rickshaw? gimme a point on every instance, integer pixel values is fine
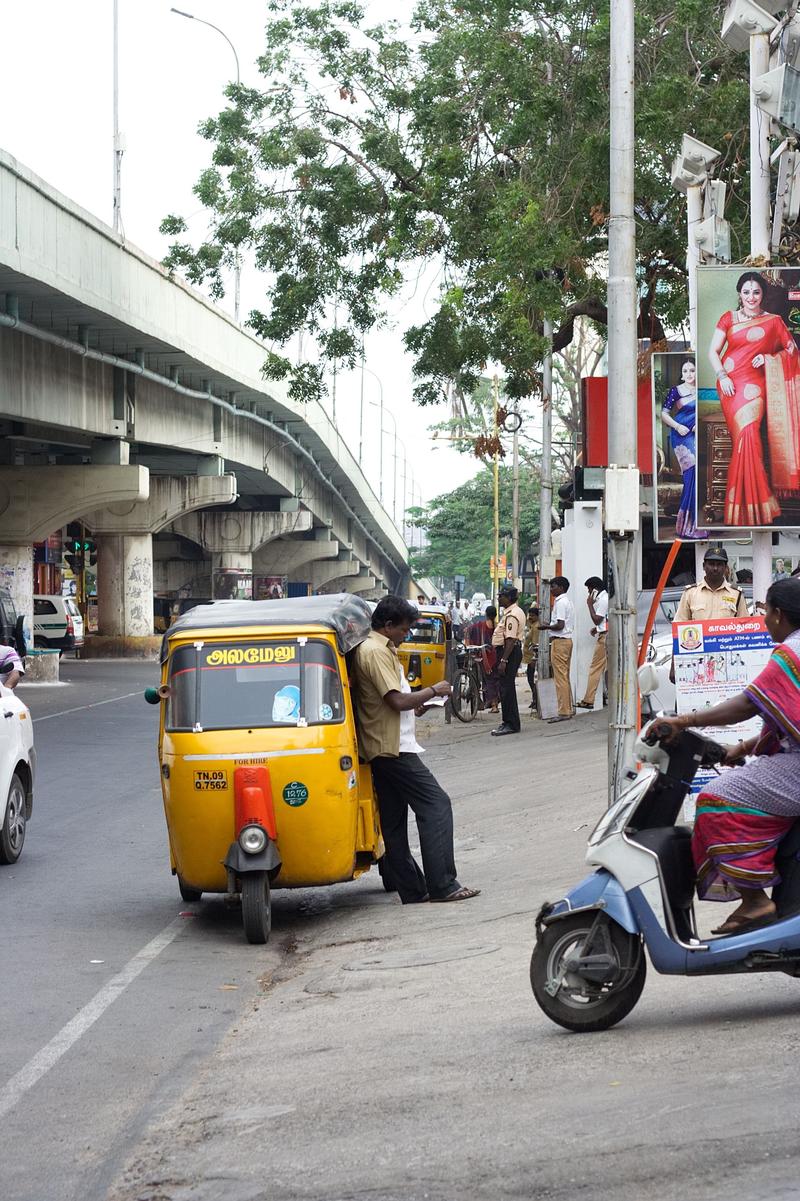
(426, 653)
(257, 746)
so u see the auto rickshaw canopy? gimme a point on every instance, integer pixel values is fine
(348, 616)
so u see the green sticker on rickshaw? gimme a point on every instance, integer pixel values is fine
(427, 660)
(295, 794)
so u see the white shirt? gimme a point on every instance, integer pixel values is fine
(408, 737)
(563, 610)
(600, 603)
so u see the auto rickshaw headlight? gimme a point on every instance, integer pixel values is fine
(252, 839)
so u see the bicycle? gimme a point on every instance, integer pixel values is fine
(466, 696)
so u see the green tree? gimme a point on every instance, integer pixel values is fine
(474, 137)
(459, 527)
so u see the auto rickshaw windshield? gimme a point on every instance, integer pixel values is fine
(254, 684)
(428, 630)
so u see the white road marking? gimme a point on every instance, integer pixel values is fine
(48, 1057)
(93, 705)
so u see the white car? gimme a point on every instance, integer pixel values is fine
(17, 772)
(57, 623)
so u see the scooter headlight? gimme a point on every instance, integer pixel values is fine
(252, 839)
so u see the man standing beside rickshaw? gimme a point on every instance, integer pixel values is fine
(385, 707)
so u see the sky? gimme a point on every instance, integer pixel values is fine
(57, 121)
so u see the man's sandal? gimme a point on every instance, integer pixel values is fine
(460, 894)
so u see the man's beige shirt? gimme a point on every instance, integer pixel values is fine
(510, 625)
(701, 603)
(376, 671)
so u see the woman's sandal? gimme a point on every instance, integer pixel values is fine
(740, 925)
(460, 894)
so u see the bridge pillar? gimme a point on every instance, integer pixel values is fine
(124, 592)
(37, 501)
(124, 536)
(232, 538)
(294, 557)
(326, 577)
(16, 575)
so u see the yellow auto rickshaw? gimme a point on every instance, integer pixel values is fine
(257, 746)
(426, 653)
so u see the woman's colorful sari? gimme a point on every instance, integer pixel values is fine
(774, 389)
(683, 409)
(743, 816)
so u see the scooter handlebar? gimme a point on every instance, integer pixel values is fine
(663, 733)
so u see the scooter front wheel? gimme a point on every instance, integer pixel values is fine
(256, 907)
(566, 994)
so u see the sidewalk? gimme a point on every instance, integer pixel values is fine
(374, 1060)
(396, 1054)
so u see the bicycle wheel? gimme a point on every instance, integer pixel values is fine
(465, 695)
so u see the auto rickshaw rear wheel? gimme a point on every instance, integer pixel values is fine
(256, 907)
(189, 894)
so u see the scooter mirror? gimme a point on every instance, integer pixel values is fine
(648, 679)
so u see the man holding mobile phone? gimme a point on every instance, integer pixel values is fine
(597, 602)
(385, 707)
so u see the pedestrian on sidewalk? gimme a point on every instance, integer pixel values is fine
(597, 602)
(530, 651)
(385, 708)
(562, 624)
(507, 638)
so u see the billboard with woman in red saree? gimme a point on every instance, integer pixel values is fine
(748, 427)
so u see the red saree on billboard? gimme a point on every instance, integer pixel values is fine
(772, 387)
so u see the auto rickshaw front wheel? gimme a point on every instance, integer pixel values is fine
(256, 907)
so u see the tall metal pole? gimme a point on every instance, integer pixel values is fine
(622, 352)
(496, 573)
(361, 412)
(759, 247)
(117, 201)
(237, 259)
(694, 215)
(515, 550)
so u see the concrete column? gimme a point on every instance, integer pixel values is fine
(16, 577)
(125, 589)
(325, 577)
(232, 575)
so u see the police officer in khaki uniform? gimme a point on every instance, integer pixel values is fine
(714, 598)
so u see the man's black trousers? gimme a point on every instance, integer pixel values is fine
(508, 689)
(405, 783)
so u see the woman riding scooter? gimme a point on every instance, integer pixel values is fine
(742, 815)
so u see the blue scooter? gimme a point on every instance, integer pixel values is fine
(588, 966)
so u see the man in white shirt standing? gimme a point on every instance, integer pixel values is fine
(597, 602)
(562, 623)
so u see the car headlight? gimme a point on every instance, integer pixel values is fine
(252, 839)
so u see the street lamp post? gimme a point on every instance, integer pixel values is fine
(237, 262)
(389, 412)
(374, 405)
(117, 203)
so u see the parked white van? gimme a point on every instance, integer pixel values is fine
(57, 623)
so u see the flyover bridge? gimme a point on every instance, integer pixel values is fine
(130, 402)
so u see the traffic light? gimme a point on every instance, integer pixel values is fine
(75, 563)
